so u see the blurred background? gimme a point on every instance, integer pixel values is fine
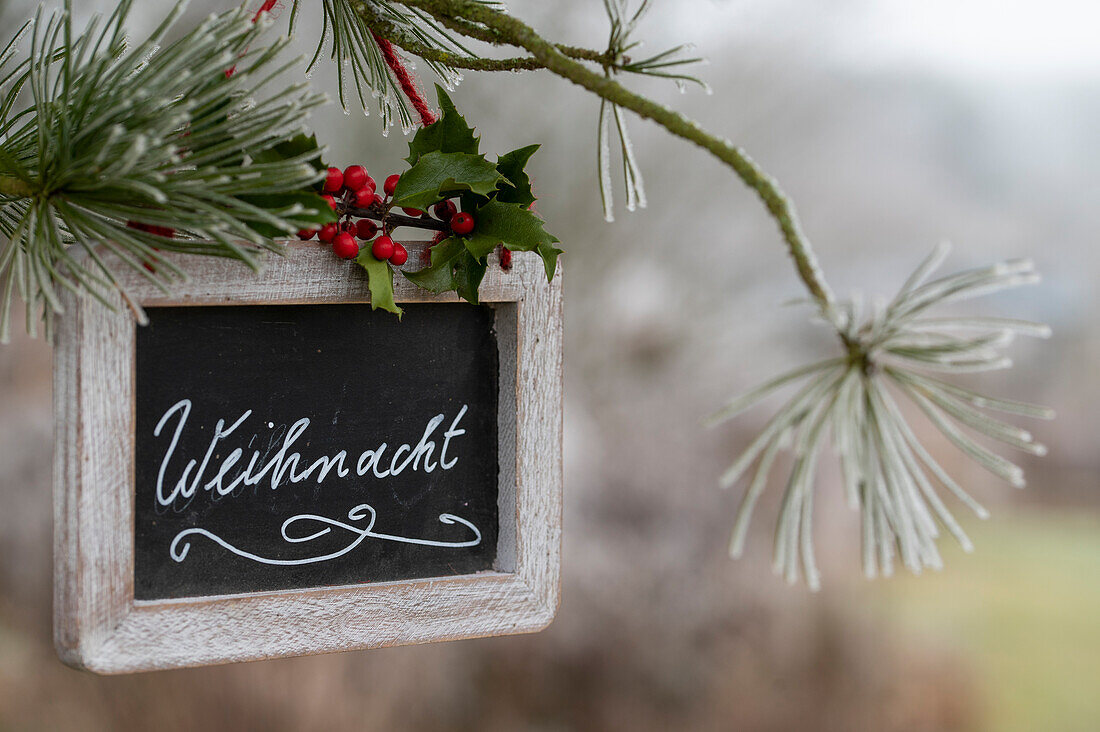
(893, 125)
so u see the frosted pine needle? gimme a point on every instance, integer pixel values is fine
(664, 65)
(155, 133)
(353, 47)
(887, 473)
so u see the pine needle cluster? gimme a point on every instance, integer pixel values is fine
(122, 152)
(889, 476)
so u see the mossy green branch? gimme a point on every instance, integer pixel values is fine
(481, 33)
(506, 29)
(407, 42)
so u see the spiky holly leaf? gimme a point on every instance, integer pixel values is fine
(440, 175)
(452, 268)
(379, 281)
(439, 275)
(450, 133)
(300, 146)
(471, 202)
(549, 254)
(517, 186)
(468, 273)
(510, 224)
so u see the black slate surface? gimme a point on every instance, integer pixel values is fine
(360, 378)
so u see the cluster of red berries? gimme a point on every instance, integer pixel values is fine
(355, 189)
(351, 191)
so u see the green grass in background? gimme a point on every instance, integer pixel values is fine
(1023, 612)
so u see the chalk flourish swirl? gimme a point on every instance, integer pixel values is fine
(181, 545)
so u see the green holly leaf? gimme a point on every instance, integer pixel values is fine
(452, 268)
(549, 256)
(468, 273)
(379, 281)
(439, 175)
(471, 202)
(450, 133)
(313, 211)
(510, 224)
(511, 165)
(300, 144)
(439, 275)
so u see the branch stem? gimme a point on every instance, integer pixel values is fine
(505, 29)
(391, 220)
(488, 35)
(408, 43)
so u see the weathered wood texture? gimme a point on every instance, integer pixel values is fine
(98, 625)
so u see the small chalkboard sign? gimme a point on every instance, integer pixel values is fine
(269, 467)
(312, 446)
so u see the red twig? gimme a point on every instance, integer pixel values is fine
(267, 7)
(404, 78)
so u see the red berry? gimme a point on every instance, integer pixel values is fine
(366, 229)
(445, 210)
(331, 201)
(412, 211)
(378, 200)
(306, 234)
(327, 233)
(334, 180)
(462, 223)
(391, 184)
(370, 184)
(355, 177)
(364, 197)
(383, 248)
(505, 259)
(400, 255)
(348, 226)
(345, 246)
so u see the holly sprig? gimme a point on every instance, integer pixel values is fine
(494, 209)
(446, 162)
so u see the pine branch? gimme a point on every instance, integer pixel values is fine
(514, 32)
(134, 153)
(887, 472)
(481, 33)
(447, 59)
(409, 31)
(352, 30)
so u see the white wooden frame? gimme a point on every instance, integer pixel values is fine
(100, 627)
